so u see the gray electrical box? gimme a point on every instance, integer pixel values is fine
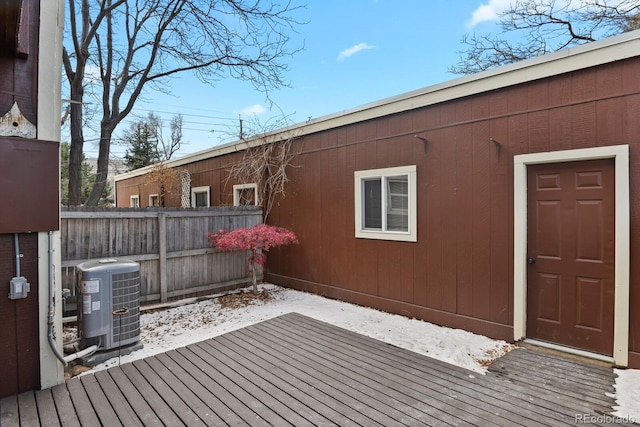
(109, 302)
(19, 288)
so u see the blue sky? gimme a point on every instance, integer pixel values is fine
(355, 52)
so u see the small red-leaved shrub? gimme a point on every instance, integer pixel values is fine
(258, 239)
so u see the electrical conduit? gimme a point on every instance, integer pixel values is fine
(51, 314)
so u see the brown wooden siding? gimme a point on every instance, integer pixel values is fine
(460, 271)
(29, 192)
(28, 201)
(19, 349)
(211, 173)
(29, 188)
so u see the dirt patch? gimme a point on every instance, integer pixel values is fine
(495, 354)
(244, 299)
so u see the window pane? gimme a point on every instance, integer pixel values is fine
(398, 203)
(372, 189)
(201, 199)
(247, 196)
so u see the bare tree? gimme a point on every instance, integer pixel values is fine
(166, 179)
(138, 44)
(168, 148)
(543, 26)
(265, 161)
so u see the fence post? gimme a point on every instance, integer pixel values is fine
(162, 247)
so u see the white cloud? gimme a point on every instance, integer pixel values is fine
(353, 50)
(253, 110)
(488, 11)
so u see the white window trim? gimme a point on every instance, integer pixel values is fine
(403, 236)
(622, 242)
(237, 189)
(198, 190)
(133, 199)
(151, 196)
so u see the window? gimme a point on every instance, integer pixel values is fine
(134, 201)
(199, 197)
(385, 201)
(245, 194)
(154, 200)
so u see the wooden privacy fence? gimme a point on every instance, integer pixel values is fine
(170, 245)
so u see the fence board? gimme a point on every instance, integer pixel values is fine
(170, 245)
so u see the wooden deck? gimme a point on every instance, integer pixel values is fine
(296, 371)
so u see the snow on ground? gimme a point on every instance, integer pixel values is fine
(163, 330)
(627, 394)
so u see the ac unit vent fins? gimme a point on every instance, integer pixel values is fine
(126, 295)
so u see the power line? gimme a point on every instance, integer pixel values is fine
(186, 114)
(190, 108)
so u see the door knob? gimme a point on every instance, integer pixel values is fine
(531, 260)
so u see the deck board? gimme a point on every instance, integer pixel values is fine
(82, 404)
(488, 388)
(47, 414)
(105, 412)
(136, 402)
(28, 408)
(331, 383)
(9, 412)
(219, 411)
(64, 406)
(148, 393)
(331, 411)
(397, 374)
(174, 401)
(209, 378)
(408, 405)
(116, 399)
(297, 371)
(474, 391)
(332, 386)
(275, 392)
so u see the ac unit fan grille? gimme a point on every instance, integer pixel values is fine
(126, 294)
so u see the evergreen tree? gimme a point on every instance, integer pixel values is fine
(142, 140)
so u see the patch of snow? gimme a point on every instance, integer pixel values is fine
(627, 387)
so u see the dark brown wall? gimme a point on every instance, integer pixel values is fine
(29, 190)
(19, 350)
(29, 173)
(460, 271)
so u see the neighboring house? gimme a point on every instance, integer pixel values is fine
(30, 55)
(502, 203)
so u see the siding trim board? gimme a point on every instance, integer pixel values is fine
(620, 153)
